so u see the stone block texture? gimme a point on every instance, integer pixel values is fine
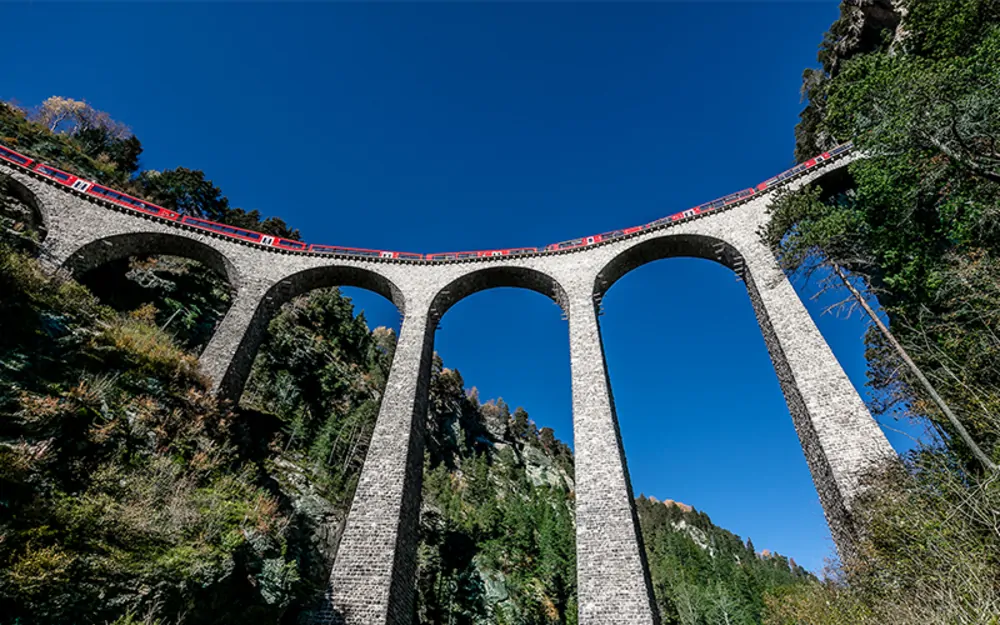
(373, 578)
(612, 576)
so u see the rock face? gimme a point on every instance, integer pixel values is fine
(542, 470)
(317, 524)
(864, 26)
(860, 29)
(682, 506)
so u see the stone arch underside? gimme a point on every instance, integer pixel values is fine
(254, 313)
(670, 246)
(492, 278)
(117, 247)
(26, 196)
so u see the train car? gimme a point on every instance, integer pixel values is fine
(662, 220)
(573, 243)
(840, 149)
(18, 159)
(801, 167)
(62, 177)
(104, 193)
(130, 202)
(289, 244)
(738, 196)
(228, 231)
(506, 252)
(354, 251)
(513, 251)
(604, 236)
(453, 255)
(591, 240)
(520, 250)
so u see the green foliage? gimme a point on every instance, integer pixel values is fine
(703, 574)
(186, 191)
(188, 299)
(929, 554)
(94, 146)
(321, 371)
(74, 137)
(919, 226)
(496, 546)
(122, 486)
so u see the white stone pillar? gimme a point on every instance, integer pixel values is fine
(374, 575)
(839, 437)
(612, 577)
(229, 356)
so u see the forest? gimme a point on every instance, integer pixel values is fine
(129, 494)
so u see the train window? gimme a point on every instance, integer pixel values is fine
(52, 172)
(14, 156)
(221, 228)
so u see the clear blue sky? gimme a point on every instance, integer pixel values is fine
(438, 127)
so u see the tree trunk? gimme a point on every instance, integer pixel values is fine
(901, 351)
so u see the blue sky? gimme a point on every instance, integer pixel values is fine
(439, 127)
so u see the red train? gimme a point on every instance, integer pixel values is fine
(481, 253)
(93, 189)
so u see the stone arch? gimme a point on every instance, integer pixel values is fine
(116, 247)
(668, 246)
(495, 277)
(838, 436)
(307, 280)
(229, 357)
(22, 193)
(833, 179)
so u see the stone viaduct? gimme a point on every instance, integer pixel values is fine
(373, 578)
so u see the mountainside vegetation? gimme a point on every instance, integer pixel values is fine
(128, 494)
(916, 85)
